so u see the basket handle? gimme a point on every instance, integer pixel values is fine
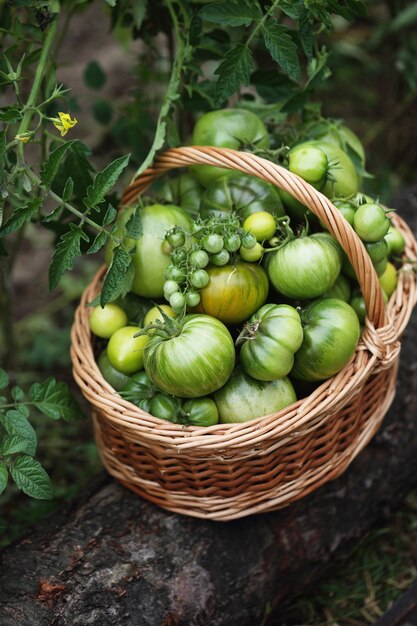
(319, 204)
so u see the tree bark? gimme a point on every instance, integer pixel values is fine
(111, 558)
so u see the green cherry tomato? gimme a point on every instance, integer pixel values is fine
(199, 279)
(232, 242)
(243, 398)
(388, 280)
(252, 255)
(370, 222)
(395, 241)
(261, 224)
(270, 339)
(176, 238)
(201, 412)
(212, 243)
(178, 256)
(170, 287)
(116, 379)
(248, 241)
(165, 407)
(226, 128)
(220, 258)
(377, 250)
(104, 321)
(381, 266)
(347, 209)
(125, 351)
(331, 332)
(305, 267)
(177, 301)
(309, 162)
(175, 273)
(199, 258)
(192, 298)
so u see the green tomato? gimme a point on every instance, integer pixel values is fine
(370, 222)
(220, 258)
(150, 260)
(310, 163)
(341, 168)
(104, 321)
(252, 255)
(243, 398)
(305, 267)
(241, 193)
(201, 412)
(357, 302)
(212, 243)
(125, 351)
(340, 290)
(195, 362)
(135, 307)
(347, 209)
(184, 191)
(116, 379)
(155, 314)
(377, 250)
(261, 224)
(270, 339)
(165, 407)
(226, 128)
(334, 131)
(199, 259)
(395, 241)
(331, 333)
(388, 280)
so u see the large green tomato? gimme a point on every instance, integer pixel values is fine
(305, 267)
(241, 193)
(331, 333)
(116, 379)
(270, 339)
(243, 398)
(234, 292)
(150, 258)
(334, 131)
(341, 168)
(226, 128)
(194, 362)
(184, 191)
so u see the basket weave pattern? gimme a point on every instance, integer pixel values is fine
(230, 470)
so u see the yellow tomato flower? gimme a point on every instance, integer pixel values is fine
(64, 123)
(24, 137)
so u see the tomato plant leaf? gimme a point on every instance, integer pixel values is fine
(20, 216)
(134, 228)
(2, 170)
(110, 215)
(98, 243)
(234, 70)
(10, 115)
(79, 167)
(63, 258)
(31, 478)
(119, 277)
(104, 181)
(55, 400)
(51, 216)
(240, 13)
(12, 444)
(139, 9)
(4, 379)
(68, 190)
(4, 476)
(282, 48)
(17, 393)
(50, 167)
(15, 423)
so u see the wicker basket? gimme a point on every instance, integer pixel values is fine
(231, 470)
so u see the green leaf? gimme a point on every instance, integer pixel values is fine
(10, 115)
(26, 183)
(134, 228)
(31, 478)
(239, 13)
(63, 258)
(20, 216)
(94, 76)
(68, 189)
(105, 180)
(55, 400)
(4, 379)
(4, 476)
(139, 9)
(111, 3)
(77, 165)
(12, 444)
(293, 8)
(306, 37)
(98, 243)
(282, 48)
(405, 18)
(51, 216)
(119, 277)
(17, 393)
(2, 160)
(50, 168)
(234, 71)
(15, 423)
(110, 215)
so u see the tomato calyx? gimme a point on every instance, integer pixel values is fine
(166, 328)
(248, 332)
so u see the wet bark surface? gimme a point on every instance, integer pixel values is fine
(111, 558)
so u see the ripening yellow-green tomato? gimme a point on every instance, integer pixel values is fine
(261, 224)
(155, 314)
(104, 321)
(125, 351)
(388, 280)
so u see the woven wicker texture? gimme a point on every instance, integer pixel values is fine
(231, 470)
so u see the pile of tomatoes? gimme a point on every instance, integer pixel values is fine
(241, 300)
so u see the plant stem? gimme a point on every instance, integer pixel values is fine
(37, 81)
(262, 21)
